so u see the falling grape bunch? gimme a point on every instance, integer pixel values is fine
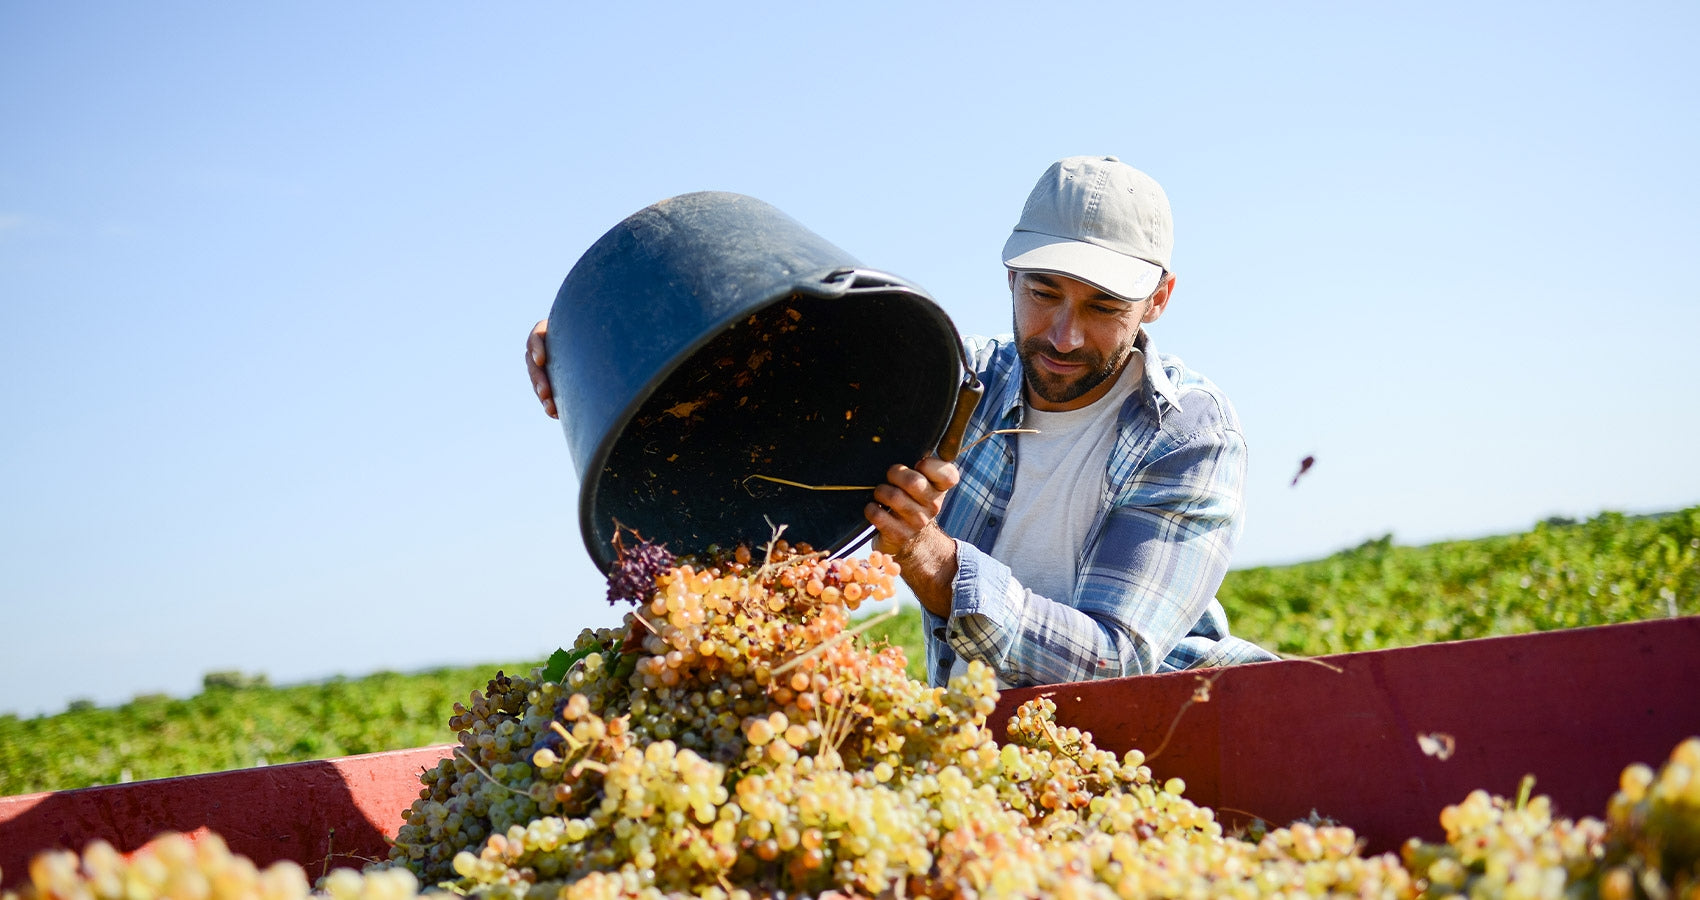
(635, 570)
(735, 738)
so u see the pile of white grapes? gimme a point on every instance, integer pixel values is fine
(735, 739)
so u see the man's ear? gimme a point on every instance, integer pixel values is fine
(1012, 281)
(1159, 300)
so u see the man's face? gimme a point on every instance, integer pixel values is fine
(1074, 338)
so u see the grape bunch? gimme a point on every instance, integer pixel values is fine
(1497, 847)
(635, 570)
(1653, 845)
(734, 738)
(172, 867)
(1648, 846)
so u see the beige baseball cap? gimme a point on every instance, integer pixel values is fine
(1098, 220)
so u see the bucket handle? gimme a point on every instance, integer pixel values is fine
(830, 285)
(967, 398)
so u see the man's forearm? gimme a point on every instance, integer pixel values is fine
(929, 568)
(1125, 626)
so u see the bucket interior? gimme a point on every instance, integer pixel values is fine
(826, 392)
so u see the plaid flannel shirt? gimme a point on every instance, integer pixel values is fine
(1168, 517)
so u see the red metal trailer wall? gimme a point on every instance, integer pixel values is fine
(326, 813)
(1339, 735)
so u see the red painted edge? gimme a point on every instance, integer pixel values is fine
(321, 814)
(1277, 740)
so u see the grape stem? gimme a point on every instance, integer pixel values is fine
(868, 487)
(1199, 695)
(640, 618)
(772, 542)
(1313, 660)
(1247, 813)
(808, 487)
(835, 727)
(581, 765)
(834, 641)
(977, 441)
(566, 735)
(474, 763)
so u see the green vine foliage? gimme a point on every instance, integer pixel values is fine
(1612, 568)
(232, 726)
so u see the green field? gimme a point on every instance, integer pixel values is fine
(1612, 568)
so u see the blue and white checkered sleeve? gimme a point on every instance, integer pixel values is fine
(1154, 568)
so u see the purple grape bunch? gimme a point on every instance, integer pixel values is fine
(636, 566)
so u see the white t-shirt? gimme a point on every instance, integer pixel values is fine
(1059, 482)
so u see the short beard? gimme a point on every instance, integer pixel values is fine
(1051, 390)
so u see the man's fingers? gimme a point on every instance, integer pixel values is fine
(892, 534)
(930, 475)
(940, 474)
(927, 489)
(536, 345)
(910, 511)
(910, 482)
(539, 380)
(536, 355)
(886, 496)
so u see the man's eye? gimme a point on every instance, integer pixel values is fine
(1107, 310)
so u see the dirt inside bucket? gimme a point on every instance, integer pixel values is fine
(809, 391)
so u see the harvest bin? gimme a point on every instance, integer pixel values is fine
(709, 343)
(1338, 735)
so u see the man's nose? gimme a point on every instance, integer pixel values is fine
(1065, 333)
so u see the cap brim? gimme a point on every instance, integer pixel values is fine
(1127, 277)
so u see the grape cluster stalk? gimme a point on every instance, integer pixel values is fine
(735, 739)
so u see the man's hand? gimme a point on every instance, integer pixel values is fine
(904, 510)
(536, 355)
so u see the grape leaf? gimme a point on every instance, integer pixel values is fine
(559, 662)
(562, 661)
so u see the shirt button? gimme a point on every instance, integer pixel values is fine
(994, 521)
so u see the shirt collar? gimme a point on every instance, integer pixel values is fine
(1161, 385)
(1009, 401)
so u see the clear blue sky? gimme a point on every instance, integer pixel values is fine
(266, 271)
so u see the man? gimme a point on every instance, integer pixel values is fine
(1100, 553)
